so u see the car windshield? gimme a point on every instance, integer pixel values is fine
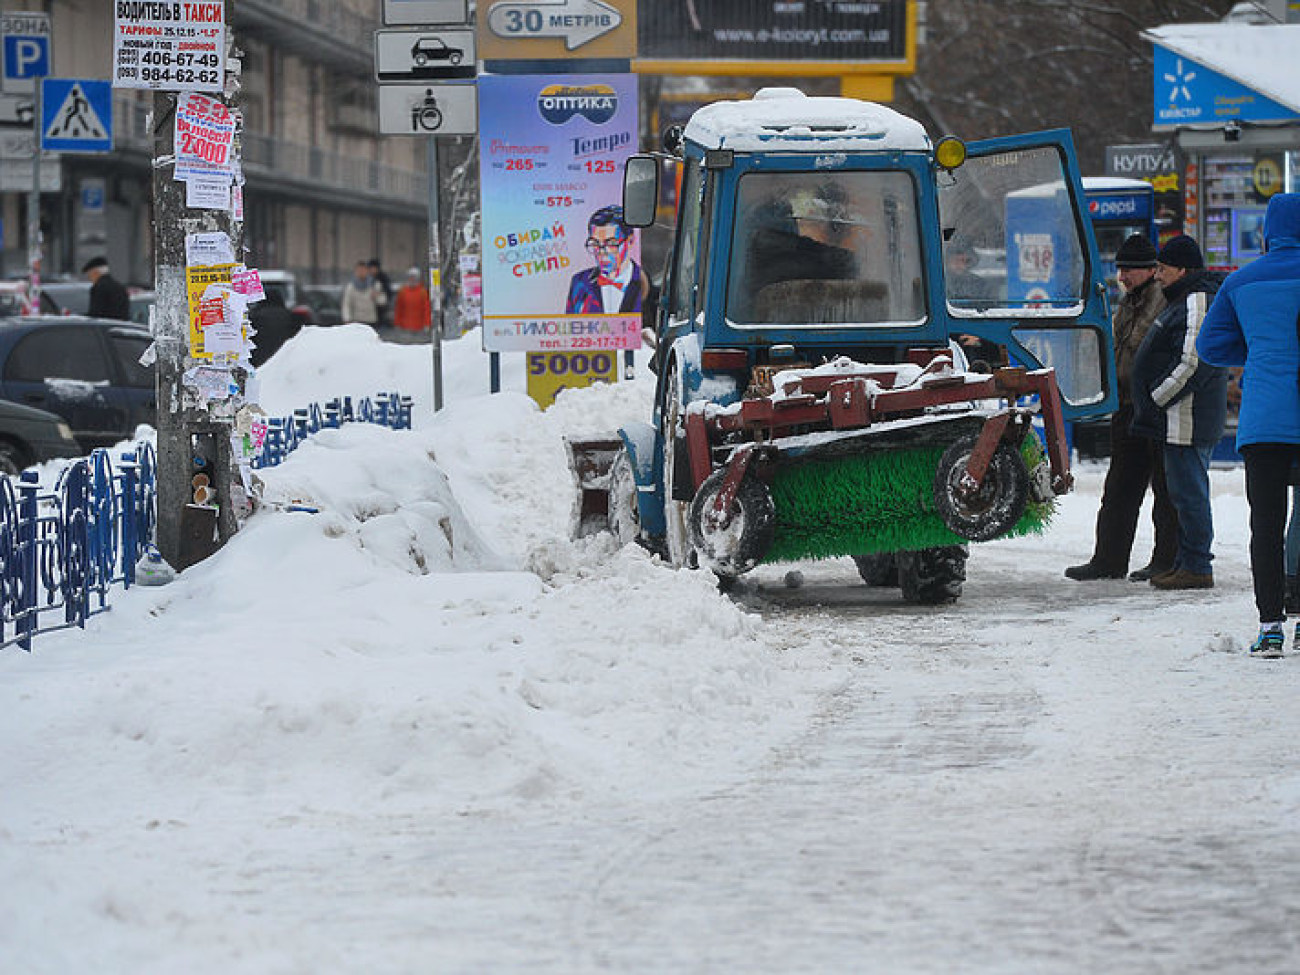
(826, 249)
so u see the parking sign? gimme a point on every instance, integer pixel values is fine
(25, 44)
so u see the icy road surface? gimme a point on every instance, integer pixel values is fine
(421, 731)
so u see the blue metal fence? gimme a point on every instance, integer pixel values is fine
(61, 550)
(284, 434)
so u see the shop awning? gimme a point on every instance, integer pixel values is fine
(1261, 58)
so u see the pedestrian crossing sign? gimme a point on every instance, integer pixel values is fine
(76, 115)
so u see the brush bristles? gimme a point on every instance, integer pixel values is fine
(882, 502)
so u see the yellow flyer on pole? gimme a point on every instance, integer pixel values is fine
(197, 280)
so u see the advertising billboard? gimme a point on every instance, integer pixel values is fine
(802, 35)
(561, 272)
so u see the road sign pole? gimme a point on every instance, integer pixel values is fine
(34, 207)
(435, 273)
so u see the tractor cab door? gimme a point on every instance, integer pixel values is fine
(1021, 267)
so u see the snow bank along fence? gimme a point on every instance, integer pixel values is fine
(284, 434)
(61, 551)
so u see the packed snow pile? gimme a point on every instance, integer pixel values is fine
(427, 637)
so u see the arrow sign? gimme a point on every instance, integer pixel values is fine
(576, 21)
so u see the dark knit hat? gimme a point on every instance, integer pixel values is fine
(93, 263)
(1181, 251)
(1136, 251)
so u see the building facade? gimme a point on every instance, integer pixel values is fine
(323, 188)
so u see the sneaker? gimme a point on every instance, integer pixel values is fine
(1089, 571)
(1147, 573)
(1268, 645)
(1182, 579)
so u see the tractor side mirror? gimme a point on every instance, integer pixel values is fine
(640, 190)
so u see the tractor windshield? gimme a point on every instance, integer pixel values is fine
(826, 248)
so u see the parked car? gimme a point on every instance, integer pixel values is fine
(13, 300)
(141, 304)
(86, 370)
(70, 297)
(30, 436)
(325, 302)
(282, 283)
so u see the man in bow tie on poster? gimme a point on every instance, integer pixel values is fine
(615, 284)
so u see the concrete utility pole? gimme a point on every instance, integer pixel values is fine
(193, 434)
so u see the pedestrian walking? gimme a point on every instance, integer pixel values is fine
(1136, 462)
(1255, 323)
(108, 296)
(412, 310)
(358, 303)
(1181, 402)
(383, 293)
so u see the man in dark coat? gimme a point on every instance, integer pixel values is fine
(273, 325)
(108, 298)
(1135, 461)
(1255, 322)
(1182, 402)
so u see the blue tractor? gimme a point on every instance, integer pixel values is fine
(834, 376)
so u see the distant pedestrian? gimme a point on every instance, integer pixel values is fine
(108, 296)
(384, 293)
(1181, 402)
(412, 310)
(1255, 322)
(1136, 462)
(359, 303)
(273, 325)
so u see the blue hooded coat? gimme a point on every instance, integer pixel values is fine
(1253, 323)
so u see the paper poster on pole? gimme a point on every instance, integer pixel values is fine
(197, 281)
(203, 136)
(561, 272)
(169, 46)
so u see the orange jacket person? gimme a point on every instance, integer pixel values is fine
(412, 311)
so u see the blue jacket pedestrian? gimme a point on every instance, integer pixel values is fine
(1255, 322)
(1252, 323)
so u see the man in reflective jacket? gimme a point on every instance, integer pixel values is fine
(1181, 402)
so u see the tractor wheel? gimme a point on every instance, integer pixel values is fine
(878, 569)
(996, 506)
(739, 545)
(624, 515)
(932, 576)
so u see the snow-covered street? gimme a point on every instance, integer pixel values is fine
(423, 731)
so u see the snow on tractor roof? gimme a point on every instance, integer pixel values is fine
(786, 118)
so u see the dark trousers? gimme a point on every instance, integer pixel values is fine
(1136, 463)
(1268, 477)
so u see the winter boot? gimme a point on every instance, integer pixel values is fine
(1292, 603)
(1268, 645)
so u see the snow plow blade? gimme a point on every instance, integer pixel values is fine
(590, 461)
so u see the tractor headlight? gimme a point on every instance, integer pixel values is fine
(950, 152)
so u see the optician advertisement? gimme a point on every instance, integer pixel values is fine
(561, 271)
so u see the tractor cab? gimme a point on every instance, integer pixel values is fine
(809, 228)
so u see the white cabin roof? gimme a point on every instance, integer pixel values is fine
(778, 119)
(1114, 183)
